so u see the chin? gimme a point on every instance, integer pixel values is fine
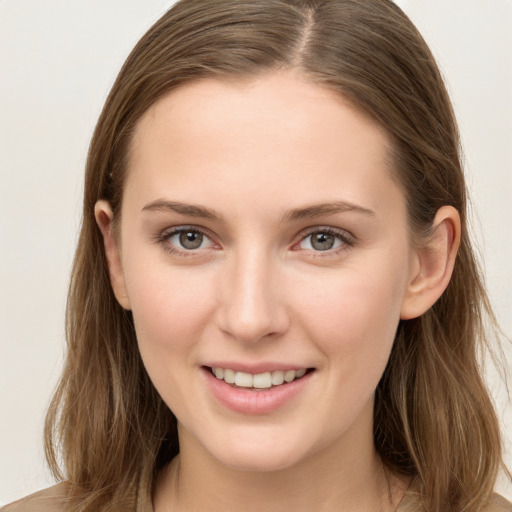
(266, 456)
(260, 462)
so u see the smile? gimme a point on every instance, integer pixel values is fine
(264, 380)
(253, 393)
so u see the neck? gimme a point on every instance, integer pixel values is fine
(347, 475)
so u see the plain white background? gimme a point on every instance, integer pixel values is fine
(58, 59)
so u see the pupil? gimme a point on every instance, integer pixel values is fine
(322, 241)
(191, 239)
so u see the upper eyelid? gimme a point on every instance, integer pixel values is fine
(303, 232)
(315, 229)
(166, 233)
(326, 229)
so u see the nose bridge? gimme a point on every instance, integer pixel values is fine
(252, 306)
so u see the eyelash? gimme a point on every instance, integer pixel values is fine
(166, 236)
(347, 240)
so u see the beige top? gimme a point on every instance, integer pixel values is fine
(47, 500)
(51, 500)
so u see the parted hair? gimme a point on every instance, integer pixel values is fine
(108, 432)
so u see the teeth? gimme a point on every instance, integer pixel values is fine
(277, 378)
(260, 380)
(290, 375)
(229, 376)
(243, 380)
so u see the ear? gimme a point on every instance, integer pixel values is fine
(433, 264)
(104, 219)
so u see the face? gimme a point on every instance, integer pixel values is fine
(264, 240)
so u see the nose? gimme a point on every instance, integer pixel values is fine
(252, 306)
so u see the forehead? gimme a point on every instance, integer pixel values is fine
(262, 135)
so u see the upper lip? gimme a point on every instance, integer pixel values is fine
(255, 368)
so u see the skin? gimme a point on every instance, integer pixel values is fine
(257, 290)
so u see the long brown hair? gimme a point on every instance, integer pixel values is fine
(434, 419)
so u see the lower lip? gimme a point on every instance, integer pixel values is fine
(249, 401)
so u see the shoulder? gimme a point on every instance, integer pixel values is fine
(47, 500)
(498, 504)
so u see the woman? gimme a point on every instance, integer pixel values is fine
(274, 248)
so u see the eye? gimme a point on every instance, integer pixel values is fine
(323, 240)
(186, 240)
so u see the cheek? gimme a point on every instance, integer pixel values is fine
(170, 310)
(354, 316)
(170, 307)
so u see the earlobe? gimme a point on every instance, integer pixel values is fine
(104, 218)
(434, 263)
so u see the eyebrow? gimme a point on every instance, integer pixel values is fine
(308, 212)
(318, 210)
(191, 210)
